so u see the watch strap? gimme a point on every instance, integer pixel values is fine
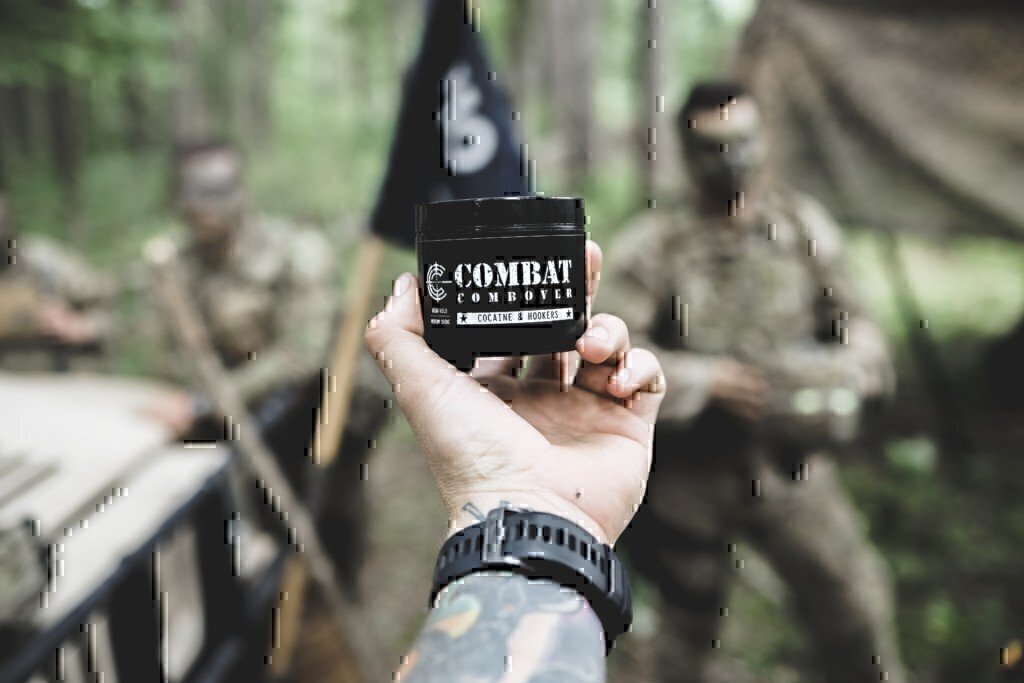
(539, 545)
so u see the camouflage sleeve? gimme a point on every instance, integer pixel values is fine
(64, 275)
(860, 345)
(145, 344)
(306, 317)
(637, 289)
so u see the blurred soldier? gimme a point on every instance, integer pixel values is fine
(769, 359)
(54, 308)
(266, 291)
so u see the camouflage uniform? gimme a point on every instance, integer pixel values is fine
(40, 271)
(271, 310)
(770, 296)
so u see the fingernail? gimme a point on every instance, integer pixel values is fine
(402, 284)
(598, 333)
(622, 377)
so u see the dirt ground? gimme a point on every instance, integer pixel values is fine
(408, 524)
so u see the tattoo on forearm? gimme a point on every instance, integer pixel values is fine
(501, 627)
(475, 511)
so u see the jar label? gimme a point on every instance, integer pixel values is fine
(476, 291)
(513, 317)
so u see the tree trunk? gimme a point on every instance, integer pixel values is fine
(652, 103)
(574, 25)
(518, 37)
(18, 117)
(132, 101)
(3, 163)
(7, 133)
(191, 115)
(134, 112)
(64, 146)
(261, 21)
(63, 128)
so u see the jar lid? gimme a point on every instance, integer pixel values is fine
(461, 215)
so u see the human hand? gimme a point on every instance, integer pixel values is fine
(66, 325)
(173, 410)
(573, 439)
(741, 389)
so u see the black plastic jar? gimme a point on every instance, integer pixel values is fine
(502, 277)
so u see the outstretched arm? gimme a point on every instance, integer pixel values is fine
(856, 341)
(565, 439)
(495, 626)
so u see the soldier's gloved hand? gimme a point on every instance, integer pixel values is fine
(741, 389)
(175, 411)
(578, 446)
(67, 325)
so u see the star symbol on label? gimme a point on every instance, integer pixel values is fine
(462, 317)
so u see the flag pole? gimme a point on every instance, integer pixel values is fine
(332, 418)
(333, 415)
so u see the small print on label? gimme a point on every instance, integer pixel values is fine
(528, 317)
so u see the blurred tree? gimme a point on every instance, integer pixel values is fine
(55, 55)
(260, 16)
(16, 114)
(65, 138)
(650, 98)
(133, 100)
(517, 39)
(573, 39)
(192, 119)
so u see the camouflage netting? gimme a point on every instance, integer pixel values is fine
(902, 114)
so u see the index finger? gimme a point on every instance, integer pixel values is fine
(563, 366)
(594, 260)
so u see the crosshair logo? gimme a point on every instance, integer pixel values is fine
(434, 274)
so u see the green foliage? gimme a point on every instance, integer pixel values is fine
(124, 196)
(77, 40)
(951, 532)
(972, 286)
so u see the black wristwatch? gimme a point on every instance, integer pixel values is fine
(539, 545)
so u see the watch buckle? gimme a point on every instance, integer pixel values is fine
(494, 535)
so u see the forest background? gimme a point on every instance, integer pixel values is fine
(93, 94)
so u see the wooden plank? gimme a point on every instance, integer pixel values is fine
(88, 552)
(22, 477)
(88, 428)
(180, 590)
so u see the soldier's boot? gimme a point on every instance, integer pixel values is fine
(812, 535)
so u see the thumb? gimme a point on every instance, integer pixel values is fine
(395, 338)
(446, 408)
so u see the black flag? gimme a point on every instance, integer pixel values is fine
(454, 138)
